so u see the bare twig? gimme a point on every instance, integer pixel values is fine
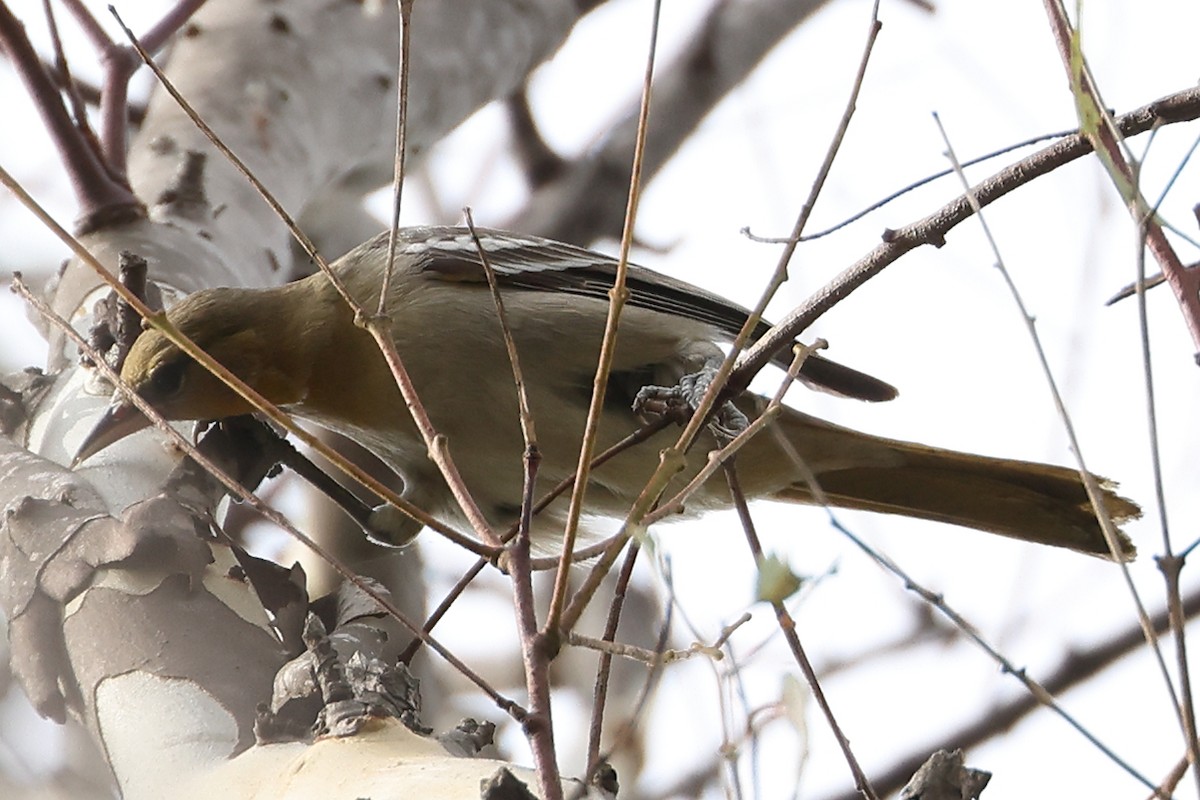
(528, 431)
(398, 174)
(539, 725)
(606, 646)
(61, 70)
(103, 195)
(120, 62)
(1090, 483)
(617, 296)
(604, 668)
(673, 459)
(788, 626)
(1179, 107)
(550, 562)
(1074, 669)
(628, 727)
(878, 204)
(1097, 124)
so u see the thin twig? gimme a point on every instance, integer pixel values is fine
(536, 657)
(672, 459)
(102, 195)
(606, 646)
(62, 69)
(549, 562)
(1098, 126)
(120, 63)
(1090, 483)
(718, 388)
(1075, 668)
(604, 667)
(878, 204)
(788, 626)
(617, 296)
(1036, 690)
(1101, 130)
(1158, 277)
(1168, 784)
(398, 175)
(627, 729)
(528, 431)
(932, 229)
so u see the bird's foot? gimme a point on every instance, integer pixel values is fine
(681, 400)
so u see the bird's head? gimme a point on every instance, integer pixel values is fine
(238, 328)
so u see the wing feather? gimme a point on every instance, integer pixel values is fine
(536, 264)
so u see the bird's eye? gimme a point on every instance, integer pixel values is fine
(167, 379)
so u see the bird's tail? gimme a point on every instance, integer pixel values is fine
(1029, 501)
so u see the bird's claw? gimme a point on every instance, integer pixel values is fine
(681, 400)
(662, 401)
(728, 422)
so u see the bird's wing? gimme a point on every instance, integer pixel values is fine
(533, 263)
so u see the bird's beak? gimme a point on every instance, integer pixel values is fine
(120, 419)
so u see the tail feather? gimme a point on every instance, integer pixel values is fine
(1024, 500)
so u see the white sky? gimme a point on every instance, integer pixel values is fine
(939, 325)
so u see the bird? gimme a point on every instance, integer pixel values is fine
(297, 344)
